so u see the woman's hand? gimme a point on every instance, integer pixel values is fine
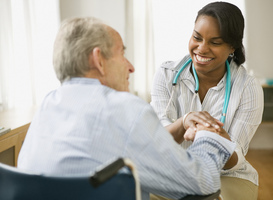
(202, 118)
(189, 123)
(191, 132)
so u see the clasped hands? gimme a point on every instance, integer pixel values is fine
(202, 120)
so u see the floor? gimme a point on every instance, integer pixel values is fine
(262, 161)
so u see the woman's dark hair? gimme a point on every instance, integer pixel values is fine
(231, 23)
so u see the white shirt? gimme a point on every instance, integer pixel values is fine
(83, 125)
(243, 116)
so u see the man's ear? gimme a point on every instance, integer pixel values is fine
(96, 60)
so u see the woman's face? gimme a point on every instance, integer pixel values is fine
(207, 49)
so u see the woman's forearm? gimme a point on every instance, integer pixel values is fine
(177, 130)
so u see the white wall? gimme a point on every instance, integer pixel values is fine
(112, 12)
(259, 28)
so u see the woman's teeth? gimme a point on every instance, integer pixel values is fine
(202, 59)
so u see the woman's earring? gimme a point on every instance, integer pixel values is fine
(231, 55)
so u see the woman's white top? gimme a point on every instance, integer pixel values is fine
(244, 113)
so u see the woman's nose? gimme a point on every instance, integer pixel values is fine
(203, 47)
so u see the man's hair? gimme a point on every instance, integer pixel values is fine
(231, 22)
(76, 39)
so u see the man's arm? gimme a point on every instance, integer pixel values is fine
(190, 135)
(165, 168)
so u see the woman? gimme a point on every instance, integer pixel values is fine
(216, 54)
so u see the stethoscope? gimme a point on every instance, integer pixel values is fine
(227, 92)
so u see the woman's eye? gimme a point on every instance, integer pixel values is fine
(196, 38)
(216, 43)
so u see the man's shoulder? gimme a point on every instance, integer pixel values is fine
(128, 108)
(126, 98)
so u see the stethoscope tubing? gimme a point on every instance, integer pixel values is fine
(227, 91)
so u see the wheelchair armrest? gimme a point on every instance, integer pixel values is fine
(107, 172)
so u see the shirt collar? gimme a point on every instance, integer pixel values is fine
(82, 80)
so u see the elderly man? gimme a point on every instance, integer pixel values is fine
(91, 119)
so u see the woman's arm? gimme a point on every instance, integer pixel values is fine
(246, 119)
(177, 130)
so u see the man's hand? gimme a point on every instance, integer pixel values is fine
(191, 132)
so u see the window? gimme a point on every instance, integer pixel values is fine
(27, 33)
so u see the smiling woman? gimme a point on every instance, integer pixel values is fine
(222, 95)
(27, 34)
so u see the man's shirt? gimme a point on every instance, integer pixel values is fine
(83, 125)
